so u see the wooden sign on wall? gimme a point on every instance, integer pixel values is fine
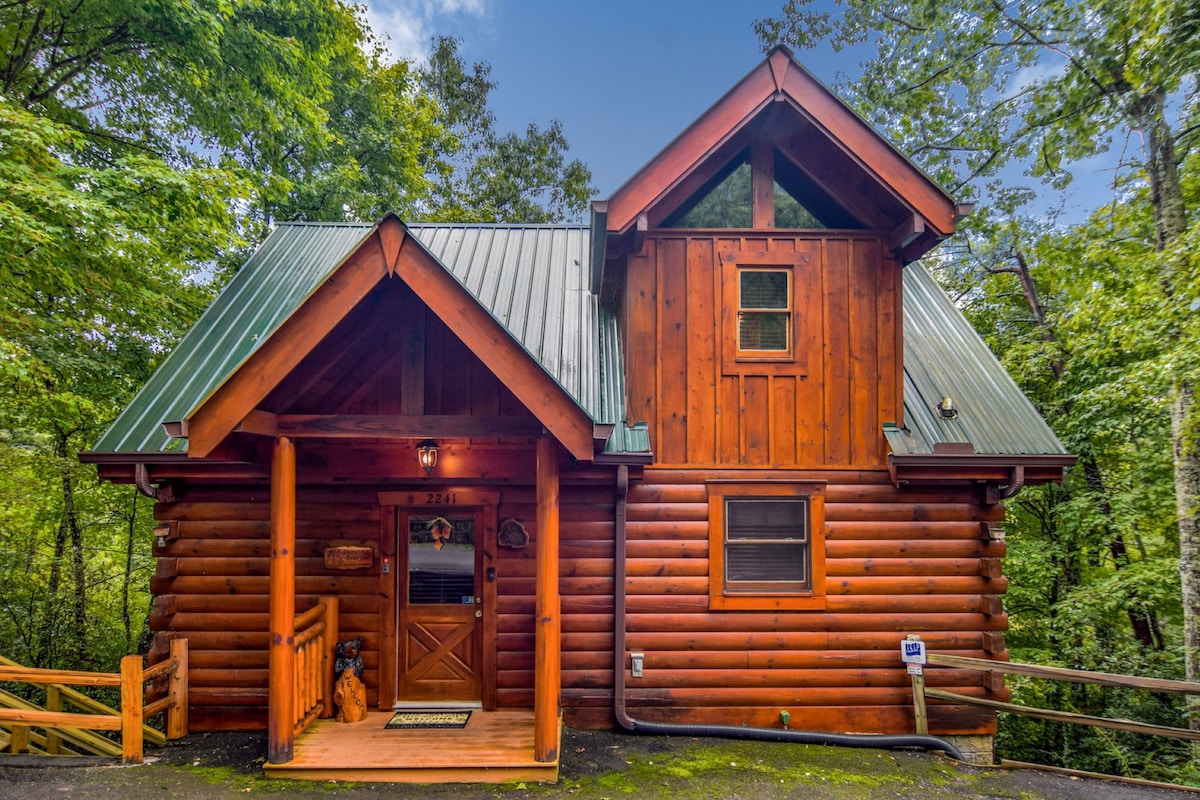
(349, 556)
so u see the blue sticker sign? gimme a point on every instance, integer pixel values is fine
(912, 651)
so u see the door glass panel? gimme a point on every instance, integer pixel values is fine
(441, 559)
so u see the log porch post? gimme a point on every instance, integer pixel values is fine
(547, 626)
(281, 674)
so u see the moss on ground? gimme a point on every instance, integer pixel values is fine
(750, 769)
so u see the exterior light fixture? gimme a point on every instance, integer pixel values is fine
(427, 455)
(946, 409)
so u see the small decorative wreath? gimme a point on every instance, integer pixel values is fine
(512, 534)
(441, 530)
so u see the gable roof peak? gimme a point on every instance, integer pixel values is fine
(812, 127)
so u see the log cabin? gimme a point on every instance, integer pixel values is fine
(706, 459)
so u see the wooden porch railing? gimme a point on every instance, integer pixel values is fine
(315, 652)
(993, 669)
(74, 728)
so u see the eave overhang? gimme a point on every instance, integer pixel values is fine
(1003, 475)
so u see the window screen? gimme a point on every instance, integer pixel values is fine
(767, 545)
(764, 310)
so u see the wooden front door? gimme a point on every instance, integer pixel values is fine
(441, 606)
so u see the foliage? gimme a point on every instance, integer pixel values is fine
(144, 149)
(1096, 320)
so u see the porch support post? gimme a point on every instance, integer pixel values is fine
(547, 685)
(281, 677)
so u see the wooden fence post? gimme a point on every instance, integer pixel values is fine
(132, 702)
(53, 703)
(329, 656)
(177, 714)
(917, 673)
(18, 739)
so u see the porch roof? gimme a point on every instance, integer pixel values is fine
(530, 278)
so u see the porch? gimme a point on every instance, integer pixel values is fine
(493, 747)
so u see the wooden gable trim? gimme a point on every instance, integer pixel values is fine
(389, 251)
(690, 148)
(494, 346)
(779, 78)
(870, 149)
(345, 288)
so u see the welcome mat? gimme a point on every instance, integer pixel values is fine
(429, 719)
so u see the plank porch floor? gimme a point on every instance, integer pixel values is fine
(494, 747)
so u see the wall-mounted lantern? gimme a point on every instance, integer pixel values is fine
(427, 452)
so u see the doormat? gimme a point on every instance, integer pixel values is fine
(429, 719)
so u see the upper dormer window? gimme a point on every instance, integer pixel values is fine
(788, 199)
(764, 313)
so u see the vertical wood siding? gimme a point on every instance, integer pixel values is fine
(826, 408)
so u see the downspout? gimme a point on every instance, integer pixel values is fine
(1015, 485)
(141, 479)
(883, 741)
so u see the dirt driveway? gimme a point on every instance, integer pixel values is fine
(596, 765)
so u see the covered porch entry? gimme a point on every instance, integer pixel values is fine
(495, 744)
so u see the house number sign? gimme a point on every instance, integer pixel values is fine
(445, 497)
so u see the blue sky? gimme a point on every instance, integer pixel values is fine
(624, 76)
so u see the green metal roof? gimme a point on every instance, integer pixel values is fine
(288, 267)
(945, 357)
(532, 279)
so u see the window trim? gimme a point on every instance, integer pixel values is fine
(719, 598)
(735, 361)
(786, 353)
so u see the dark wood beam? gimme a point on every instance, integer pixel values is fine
(762, 185)
(259, 423)
(906, 232)
(403, 426)
(639, 232)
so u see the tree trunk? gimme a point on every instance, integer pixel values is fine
(69, 528)
(1170, 225)
(1187, 495)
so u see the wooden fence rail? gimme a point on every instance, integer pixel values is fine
(991, 668)
(315, 651)
(74, 728)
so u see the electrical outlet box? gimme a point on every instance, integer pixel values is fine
(637, 664)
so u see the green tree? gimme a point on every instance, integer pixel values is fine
(132, 136)
(972, 89)
(491, 176)
(144, 148)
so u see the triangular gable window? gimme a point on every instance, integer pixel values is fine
(727, 204)
(726, 200)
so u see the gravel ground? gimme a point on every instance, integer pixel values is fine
(597, 765)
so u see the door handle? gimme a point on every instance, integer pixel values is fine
(479, 613)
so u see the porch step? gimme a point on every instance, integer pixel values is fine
(494, 747)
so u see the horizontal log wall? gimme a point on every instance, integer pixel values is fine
(898, 562)
(212, 585)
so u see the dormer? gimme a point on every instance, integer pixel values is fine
(755, 264)
(794, 156)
